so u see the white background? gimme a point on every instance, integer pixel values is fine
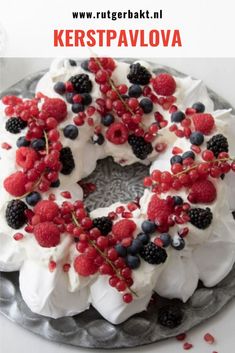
(207, 27)
(219, 74)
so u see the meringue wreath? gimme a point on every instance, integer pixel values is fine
(180, 231)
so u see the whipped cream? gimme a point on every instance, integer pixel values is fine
(66, 293)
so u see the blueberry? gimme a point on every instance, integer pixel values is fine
(77, 107)
(55, 184)
(188, 154)
(199, 107)
(148, 227)
(135, 91)
(71, 131)
(121, 250)
(144, 238)
(60, 88)
(177, 242)
(133, 261)
(135, 246)
(178, 200)
(107, 120)
(125, 96)
(86, 98)
(196, 138)
(84, 65)
(147, 105)
(22, 142)
(98, 138)
(69, 97)
(38, 144)
(72, 62)
(166, 239)
(33, 198)
(176, 159)
(177, 117)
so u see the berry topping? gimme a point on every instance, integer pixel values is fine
(15, 214)
(117, 133)
(147, 105)
(84, 265)
(33, 198)
(158, 210)
(166, 239)
(26, 157)
(107, 120)
(140, 147)
(177, 116)
(199, 107)
(77, 107)
(148, 227)
(202, 191)
(135, 91)
(178, 200)
(66, 158)
(47, 210)
(15, 125)
(22, 142)
(121, 250)
(70, 131)
(164, 84)
(38, 144)
(143, 237)
(133, 261)
(203, 123)
(47, 234)
(177, 242)
(188, 154)
(81, 83)
(86, 98)
(176, 159)
(15, 184)
(153, 254)
(170, 316)
(217, 144)
(55, 107)
(98, 139)
(139, 74)
(60, 88)
(124, 229)
(104, 224)
(196, 138)
(135, 246)
(201, 218)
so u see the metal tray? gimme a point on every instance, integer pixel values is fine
(89, 329)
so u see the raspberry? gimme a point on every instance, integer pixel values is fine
(47, 234)
(85, 266)
(47, 210)
(117, 133)
(15, 184)
(123, 229)
(203, 123)
(203, 191)
(159, 211)
(26, 157)
(55, 107)
(164, 85)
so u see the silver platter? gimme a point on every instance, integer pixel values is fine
(89, 329)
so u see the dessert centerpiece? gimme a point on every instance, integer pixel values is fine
(181, 229)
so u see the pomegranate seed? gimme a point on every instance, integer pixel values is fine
(18, 236)
(181, 337)
(66, 267)
(6, 146)
(187, 346)
(52, 266)
(66, 194)
(176, 150)
(209, 338)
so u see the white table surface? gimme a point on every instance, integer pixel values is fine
(219, 74)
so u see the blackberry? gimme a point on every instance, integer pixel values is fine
(140, 147)
(170, 316)
(81, 83)
(104, 224)
(15, 125)
(217, 144)
(15, 214)
(139, 74)
(66, 158)
(153, 254)
(200, 217)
